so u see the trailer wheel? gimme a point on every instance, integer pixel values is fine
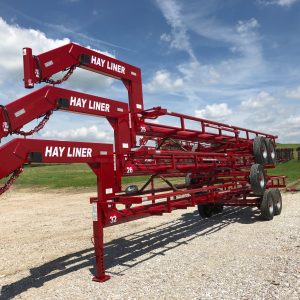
(258, 179)
(205, 210)
(260, 150)
(187, 179)
(218, 208)
(271, 151)
(277, 201)
(131, 189)
(267, 205)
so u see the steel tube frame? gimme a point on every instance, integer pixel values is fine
(217, 156)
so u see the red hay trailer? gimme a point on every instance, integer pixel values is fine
(222, 165)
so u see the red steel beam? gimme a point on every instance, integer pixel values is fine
(16, 153)
(221, 160)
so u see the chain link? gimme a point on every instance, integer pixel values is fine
(64, 78)
(16, 173)
(40, 126)
(36, 128)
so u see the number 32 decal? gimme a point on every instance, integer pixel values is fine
(113, 219)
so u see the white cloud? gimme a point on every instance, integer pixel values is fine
(178, 38)
(286, 2)
(283, 3)
(188, 74)
(240, 80)
(261, 111)
(263, 99)
(11, 84)
(247, 26)
(15, 37)
(295, 93)
(92, 133)
(266, 113)
(294, 121)
(162, 81)
(11, 60)
(166, 37)
(193, 77)
(217, 112)
(243, 40)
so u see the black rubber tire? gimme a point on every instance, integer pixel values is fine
(188, 179)
(277, 201)
(131, 190)
(258, 179)
(260, 150)
(205, 210)
(267, 206)
(271, 151)
(218, 208)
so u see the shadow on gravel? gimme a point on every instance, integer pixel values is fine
(131, 250)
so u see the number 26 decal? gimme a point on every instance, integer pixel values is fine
(129, 170)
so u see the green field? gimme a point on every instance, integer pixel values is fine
(80, 175)
(62, 175)
(290, 168)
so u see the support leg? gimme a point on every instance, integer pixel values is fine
(105, 183)
(99, 251)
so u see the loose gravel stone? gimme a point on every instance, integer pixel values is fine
(46, 252)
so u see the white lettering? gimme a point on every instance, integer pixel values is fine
(48, 151)
(94, 60)
(61, 151)
(98, 61)
(113, 219)
(54, 151)
(95, 105)
(71, 152)
(115, 67)
(83, 102)
(79, 152)
(74, 101)
(88, 152)
(109, 65)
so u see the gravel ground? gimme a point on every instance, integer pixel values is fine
(46, 252)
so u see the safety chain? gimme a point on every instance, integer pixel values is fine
(16, 173)
(64, 78)
(36, 128)
(41, 125)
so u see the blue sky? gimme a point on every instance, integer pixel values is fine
(233, 61)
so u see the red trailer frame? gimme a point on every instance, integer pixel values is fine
(222, 164)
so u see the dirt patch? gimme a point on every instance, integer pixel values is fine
(46, 252)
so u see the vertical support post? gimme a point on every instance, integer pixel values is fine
(136, 104)
(28, 62)
(105, 183)
(99, 247)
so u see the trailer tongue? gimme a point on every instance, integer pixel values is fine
(222, 165)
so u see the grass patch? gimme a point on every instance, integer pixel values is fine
(62, 176)
(294, 146)
(290, 168)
